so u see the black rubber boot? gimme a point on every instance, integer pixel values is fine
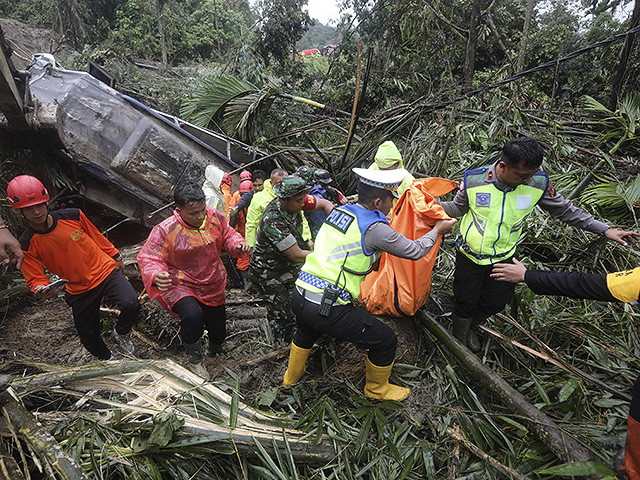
(461, 327)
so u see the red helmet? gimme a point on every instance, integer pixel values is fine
(24, 191)
(226, 178)
(246, 186)
(245, 175)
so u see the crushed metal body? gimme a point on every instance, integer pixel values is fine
(127, 155)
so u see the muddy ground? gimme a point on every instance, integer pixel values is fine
(31, 329)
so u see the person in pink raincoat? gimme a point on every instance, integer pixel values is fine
(181, 268)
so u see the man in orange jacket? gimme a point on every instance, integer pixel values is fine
(67, 244)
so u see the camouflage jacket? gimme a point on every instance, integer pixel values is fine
(278, 230)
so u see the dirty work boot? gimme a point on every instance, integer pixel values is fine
(378, 385)
(461, 327)
(213, 349)
(196, 358)
(473, 342)
(297, 365)
(125, 345)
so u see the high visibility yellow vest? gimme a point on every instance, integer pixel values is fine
(339, 257)
(625, 286)
(490, 230)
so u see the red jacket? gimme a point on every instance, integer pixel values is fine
(192, 258)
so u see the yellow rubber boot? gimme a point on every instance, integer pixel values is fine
(378, 385)
(297, 365)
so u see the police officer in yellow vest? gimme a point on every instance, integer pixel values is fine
(347, 248)
(495, 201)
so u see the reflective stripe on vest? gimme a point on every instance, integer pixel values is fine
(490, 230)
(339, 256)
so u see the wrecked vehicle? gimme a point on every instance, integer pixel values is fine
(127, 155)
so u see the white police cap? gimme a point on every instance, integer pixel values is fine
(388, 180)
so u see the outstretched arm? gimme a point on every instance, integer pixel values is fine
(381, 236)
(592, 286)
(622, 236)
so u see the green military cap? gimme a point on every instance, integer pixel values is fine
(305, 173)
(290, 186)
(323, 176)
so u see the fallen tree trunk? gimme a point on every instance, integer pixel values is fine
(561, 444)
(43, 443)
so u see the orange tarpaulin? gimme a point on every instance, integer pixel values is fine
(632, 449)
(400, 287)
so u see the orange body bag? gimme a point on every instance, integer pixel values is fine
(400, 286)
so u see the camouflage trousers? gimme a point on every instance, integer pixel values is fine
(276, 293)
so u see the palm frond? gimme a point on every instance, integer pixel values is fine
(205, 106)
(244, 113)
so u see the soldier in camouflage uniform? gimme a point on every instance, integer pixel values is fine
(279, 250)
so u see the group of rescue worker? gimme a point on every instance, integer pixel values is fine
(306, 250)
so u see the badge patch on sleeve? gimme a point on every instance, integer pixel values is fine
(523, 202)
(551, 190)
(483, 199)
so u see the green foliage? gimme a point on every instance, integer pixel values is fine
(285, 22)
(33, 13)
(205, 106)
(620, 126)
(579, 469)
(196, 29)
(229, 104)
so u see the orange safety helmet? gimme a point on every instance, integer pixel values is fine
(24, 191)
(226, 178)
(245, 175)
(246, 186)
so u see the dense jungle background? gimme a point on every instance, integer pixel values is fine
(449, 82)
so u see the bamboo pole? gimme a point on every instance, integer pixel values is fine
(561, 444)
(32, 432)
(355, 107)
(508, 472)
(77, 374)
